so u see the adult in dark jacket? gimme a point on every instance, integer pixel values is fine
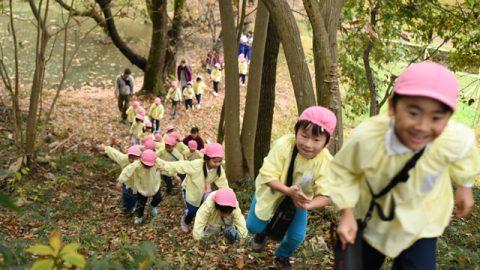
(184, 73)
(195, 136)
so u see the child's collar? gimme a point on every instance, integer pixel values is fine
(393, 144)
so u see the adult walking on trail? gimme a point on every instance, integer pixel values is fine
(124, 89)
(184, 73)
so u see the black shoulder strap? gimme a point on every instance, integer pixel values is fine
(291, 167)
(401, 176)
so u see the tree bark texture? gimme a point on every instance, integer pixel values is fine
(153, 79)
(287, 28)
(366, 64)
(324, 18)
(174, 39)
(250, 116)
(233, 153)
(267, 97)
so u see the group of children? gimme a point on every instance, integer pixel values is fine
(402, 164)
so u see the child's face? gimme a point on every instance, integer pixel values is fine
(132, 158)
(194, 134)
(223, 214)
(214, 163)
(192, 150)
(418, 120)
(169, 148)
(309, 145)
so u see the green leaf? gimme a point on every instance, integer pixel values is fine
(40, 250)
(74, 259)
(70, 248)
(6, 202)
(43, 265)
(56, 241)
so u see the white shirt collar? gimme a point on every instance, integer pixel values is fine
(393, 144)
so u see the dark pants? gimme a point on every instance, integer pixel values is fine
(142, 201)
(421, 256)
(199, 98)
(174, 108)
(156, 125)
(215, 86)
(188, 104)
(169, 182)
(243, 77)
(129, 199)
(123, 101)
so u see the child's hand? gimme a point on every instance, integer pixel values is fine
(118, 186)
(177, 178)
(347, 229)
(463, 201)
(298, 197)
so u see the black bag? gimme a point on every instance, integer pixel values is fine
(278, 225)
(350, 258)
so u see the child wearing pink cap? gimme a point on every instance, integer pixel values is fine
(302, 159)
(216, 78)
(188, 95)
(159, 143)
(170, 128)
(136, 130)
(132, 111)
(395, 172)
(199, 87)
(156, 114)
(175, 95)
(220, 213)
(169, 153)
(200, 174)
(179, 145)
(144, 180)
(133, 153)
(192, 153)
(243, 69)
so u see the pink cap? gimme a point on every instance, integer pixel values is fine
(225, 197)
(149, 145)
(193, 145)
(157, 101)
(135, 104)
(141, 111)
(320, 116)
(148, 123)
(139, 116)
(217, 65)
(170, 127)
(171, 141)
(148, 157)
(176, 135)
(173, 83)
(158, 137)
(134, 151)
(189, 83)
(428, 79)
(241, 56)
(145, 139)
(213, 150)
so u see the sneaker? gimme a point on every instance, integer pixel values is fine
(153, 211)
(215, 94)
(199, 106)
(138, 220)
(186, 110)
(184, 225)
(259, 242)
(283, 263)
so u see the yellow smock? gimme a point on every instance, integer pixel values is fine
(137, 129)
(207, 215)
(188, 92)
(216, 75)
(175, 94)
(199, 87)
(424, 203)
(146, 181)
(189, 155)
(156, 111)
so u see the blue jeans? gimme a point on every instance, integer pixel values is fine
(293, 238)
(421, 255)
(129, 200)
(190, 210)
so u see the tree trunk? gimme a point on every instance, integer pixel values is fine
(366, 64)
(250, 117)
(267, 96)
(153, 80)
(292, 45)
(221, 125)
(174, 37)
(234, 168)
(324, 18)
(132, 56)
(37, 82)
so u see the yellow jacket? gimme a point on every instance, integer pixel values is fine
(131, 113)
(137, 129)
(159, 146)
(243, 67)
(188, 93)
(216, 75)
(207, 215)
(140, 179)
(275, 168)
(424, 203)
(181, 147)
(199, 87)
(156, 111)
(194, 183)
(192, 155)
(175, 94)
(117, 156)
